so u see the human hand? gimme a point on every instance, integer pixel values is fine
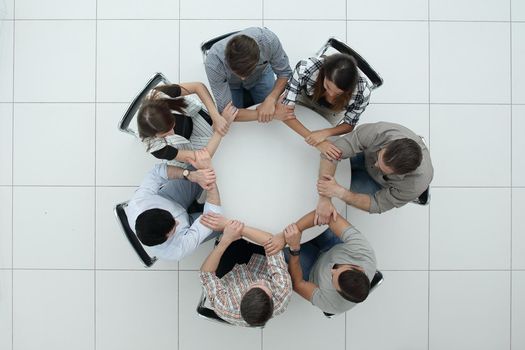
(324, 212)
(214, 221)
(284, 112)
(292, 235)
(266, 110)
(204, 177)
(329, 150)
(221, 125)
(274, 245)
(328, 187)
(202, 159)
(232, 231)
(316, 137)
(230, 113)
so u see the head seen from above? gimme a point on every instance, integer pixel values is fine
(351, 282)
(337, 80)
(155, 118)
(154, 226)
(242, 55)
(257, 305)
(399, 157)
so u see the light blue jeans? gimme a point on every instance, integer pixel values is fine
(258, 93)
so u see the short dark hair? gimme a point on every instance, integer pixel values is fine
(242, 54)
(354, 285)
(256, 307)
(403, 156)
(153, 225)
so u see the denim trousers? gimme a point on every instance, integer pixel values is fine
(255, 94)
(362, 182)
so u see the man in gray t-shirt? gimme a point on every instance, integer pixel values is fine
(334, 270)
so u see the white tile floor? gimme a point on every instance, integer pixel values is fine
(454, 271)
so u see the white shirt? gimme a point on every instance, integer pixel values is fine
(186, 238)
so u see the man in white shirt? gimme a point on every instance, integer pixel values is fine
(158, 210)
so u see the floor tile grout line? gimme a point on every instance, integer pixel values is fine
(95, 189)
(511, 178)
(12, 188)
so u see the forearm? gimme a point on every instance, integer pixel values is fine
(357, 200)
(213, 196)
(258, 236)
(205, 96)
(174, 172)
(340, 129)
(212, 261)
(213, 144)
(278, 88)
(306, 221)
(246, 115)
(298, 127)
(294, 268)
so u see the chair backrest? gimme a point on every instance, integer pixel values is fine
(208, 313)
(125, 123)
(122, 218)
(362, 64)
(206, 46)
(424, 198)
(376, 281)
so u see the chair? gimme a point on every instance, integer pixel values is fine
(206, 45)
(120, 213)
(367, 70)
(376, 281)
(424, 198)
(124, 124)
(247, 249)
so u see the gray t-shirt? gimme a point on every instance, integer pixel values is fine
(355, 250)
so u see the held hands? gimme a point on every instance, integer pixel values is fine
(221, 124)
(316, 137)
(329, 150)
(214, 221)
(284, 112)
(204, 177)
(232, 231)
(266, 110)
(292, 235)
(328, 187)
(274, 245)
(202, 159)
(324, 212)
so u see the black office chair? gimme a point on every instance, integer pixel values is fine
(376, 281)
(125, 123)
(363, 66)
(241, 251)
(424, 198)
(206, 46)
(120, 213)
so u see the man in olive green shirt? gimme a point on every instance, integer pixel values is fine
(390, 167)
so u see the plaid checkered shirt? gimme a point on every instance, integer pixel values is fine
(304, 77)
(225, 293)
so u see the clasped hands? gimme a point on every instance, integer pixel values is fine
(205, 174)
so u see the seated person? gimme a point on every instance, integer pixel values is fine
(391, 166)
(333, 87)
(172, 124)
(245, 63)
(334, 270)
(254, 290)
(158, 209)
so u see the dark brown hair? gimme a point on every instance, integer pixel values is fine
(340, 69)
(242, 55)
(155, 116)
(153, 225)
(256, 307)
(354, 285)
(403, 156)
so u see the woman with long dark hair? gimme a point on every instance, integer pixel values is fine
(333, 87)
(173, 124)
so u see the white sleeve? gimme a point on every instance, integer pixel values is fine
(153, 181)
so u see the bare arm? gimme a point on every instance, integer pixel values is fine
(340, 129)
(212, 261)
(258, 236)
(204, 95)
(358, 200)
(298, 127)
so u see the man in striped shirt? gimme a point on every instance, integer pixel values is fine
(245, 62)
(251, 293)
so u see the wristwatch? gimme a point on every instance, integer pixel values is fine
(186, 173)
(295, 252)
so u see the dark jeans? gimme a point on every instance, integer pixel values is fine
(362, 182)
(243, 98)
(311, 250)
(239, 252)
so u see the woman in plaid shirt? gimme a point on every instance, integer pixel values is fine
(333, 87)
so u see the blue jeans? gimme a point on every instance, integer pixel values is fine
(362, 182)
(258, 92)
(311, 250)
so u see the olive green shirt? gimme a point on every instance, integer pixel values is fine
(397, 189)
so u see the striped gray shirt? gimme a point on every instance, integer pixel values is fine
(221, 77)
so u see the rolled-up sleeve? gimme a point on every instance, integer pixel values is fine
(388, 198)
(281, 283)
(295, 83)
(359, 102)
